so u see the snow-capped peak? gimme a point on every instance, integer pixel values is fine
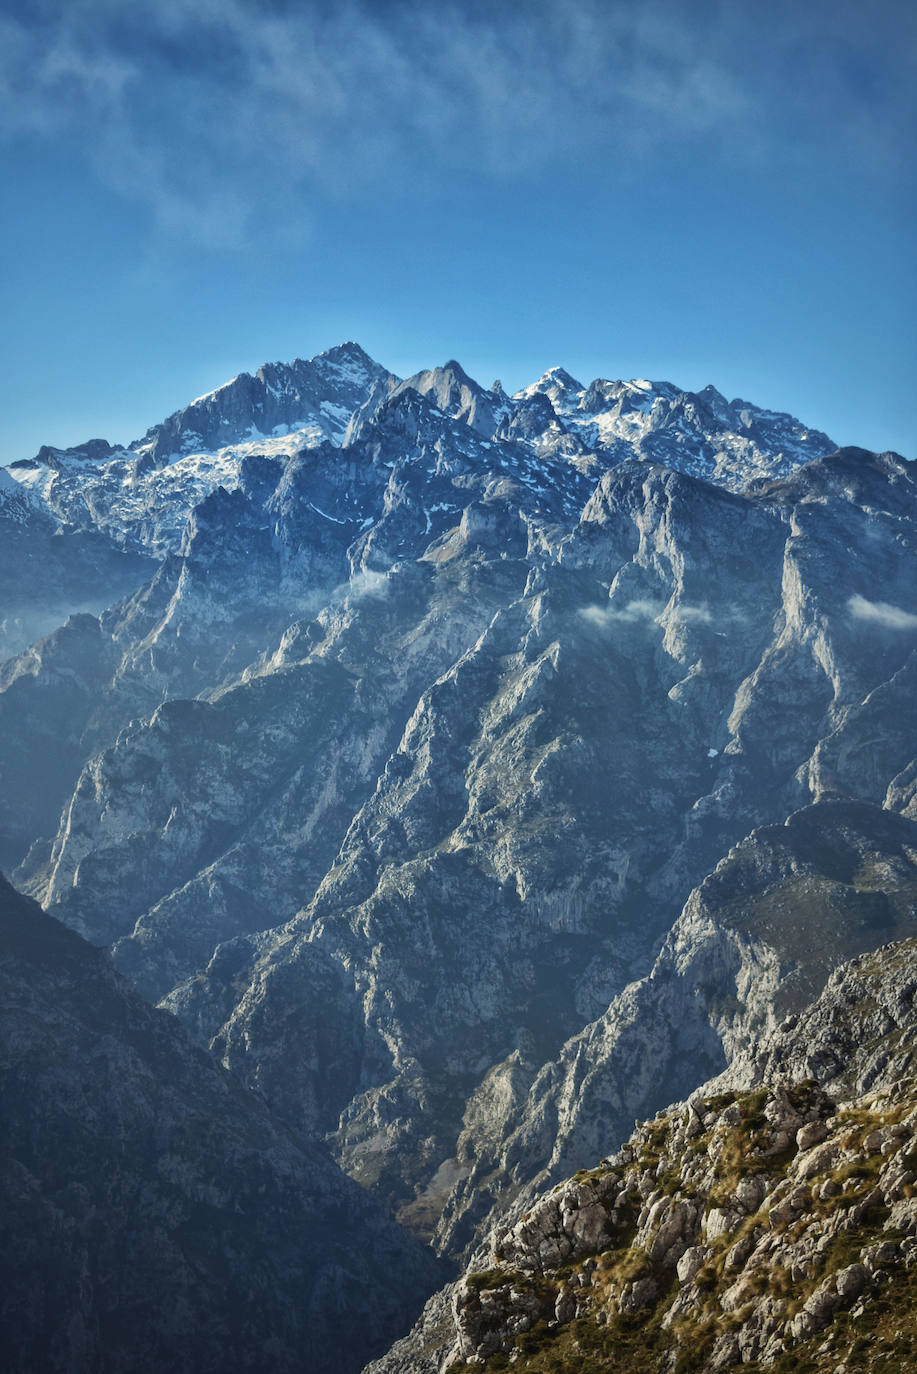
(554, 431)
(554, 383)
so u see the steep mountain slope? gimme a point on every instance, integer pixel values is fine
(756, 940)
(547, 742)
(48, 573)
(47, 695)
(551, 786)
(717, 1252)
(155, 1215)
(398, 772)
(313, 400)
(142, 496)
(774, 1228)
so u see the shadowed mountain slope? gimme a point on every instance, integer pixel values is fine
(155, 1216)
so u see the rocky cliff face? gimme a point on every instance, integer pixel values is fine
(393, 780)
(556, 779)
(702, 1246)
(730, 442)
(775, 1228)
(754, 942)
(315, 399)
(155, 1214)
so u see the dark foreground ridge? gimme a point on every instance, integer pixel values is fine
(155, 1216)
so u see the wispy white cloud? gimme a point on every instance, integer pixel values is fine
(631, 613)
(693, 615)
(882, 613)
(669, 615)
(201, 109)
(365, 583)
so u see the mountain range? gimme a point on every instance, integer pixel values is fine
(471, 774)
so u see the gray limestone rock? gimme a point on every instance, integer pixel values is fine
(762, 1261)
(440, 708)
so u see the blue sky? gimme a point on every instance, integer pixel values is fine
(697, 192)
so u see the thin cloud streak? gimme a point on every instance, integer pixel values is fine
(632, 613)
(201, 110)
(642, 610)
(881, 613)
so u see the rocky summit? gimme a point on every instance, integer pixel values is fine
(470, 773)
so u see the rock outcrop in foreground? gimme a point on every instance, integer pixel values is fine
(155, 1216)
(734, 1230)
(772, 1227)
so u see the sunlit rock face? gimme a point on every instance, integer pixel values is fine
(404, 781)
(755, 941)
(769, 1220)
